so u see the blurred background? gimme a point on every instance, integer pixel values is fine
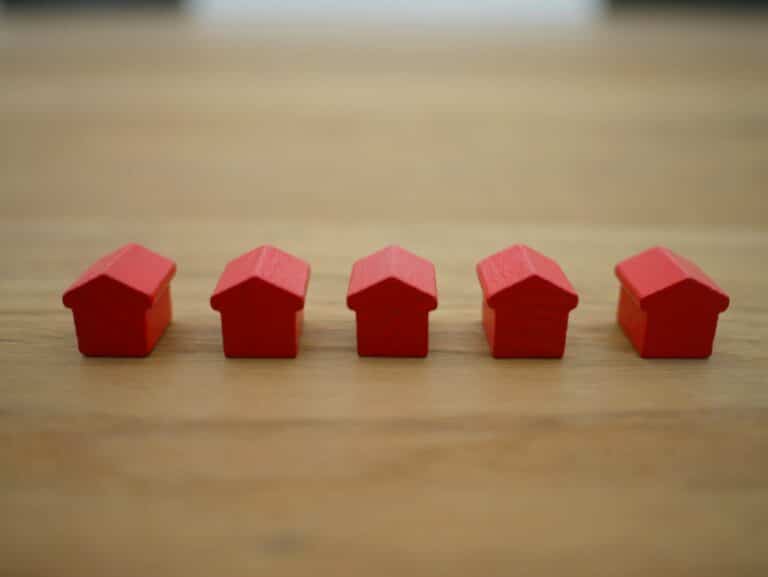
(437, 9)
(587, 111)
(587, 129)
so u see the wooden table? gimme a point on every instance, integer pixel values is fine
(202, 143)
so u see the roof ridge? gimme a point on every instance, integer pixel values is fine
(392, 258)
(111, 259)
(683, 264)
(688, 269)
(675, 260)
(525, 251)
(258, 263)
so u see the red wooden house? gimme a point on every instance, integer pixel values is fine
(668, 307)
(392, 292)
(122, 303)
(526, 302)
(260, 296)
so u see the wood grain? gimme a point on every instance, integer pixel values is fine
(202, 144)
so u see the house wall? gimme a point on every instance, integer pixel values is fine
(529, 333)
(157, 318)
(260, 332)
(680, 334)
(111, 329)
(392, 332)
(489, 324)
(632, 319)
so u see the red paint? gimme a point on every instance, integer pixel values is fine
(668, 307)
(122, 303)
(260, 296)
(526, 302)
(392, 292)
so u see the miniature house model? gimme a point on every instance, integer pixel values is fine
(526, 302)
(260, 296)
(668, 306)
(392, 292)
(122, 303)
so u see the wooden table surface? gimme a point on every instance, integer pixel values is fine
(204, 142)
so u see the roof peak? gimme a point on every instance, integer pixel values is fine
(131, 266)
(516, 265)
(270, 266)
(656, 271)
(392, 263)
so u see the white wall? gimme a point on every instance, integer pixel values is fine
(433, 12)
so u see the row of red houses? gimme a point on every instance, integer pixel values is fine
(668, 307)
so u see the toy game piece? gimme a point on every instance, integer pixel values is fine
(122, 303)
(668, 307)
(392, 292)
(526, 301)
(260, 296)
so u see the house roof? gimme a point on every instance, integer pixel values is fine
(658, 275)
(266, 268)
(131, 267)
(520, 274)
(392, 273)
